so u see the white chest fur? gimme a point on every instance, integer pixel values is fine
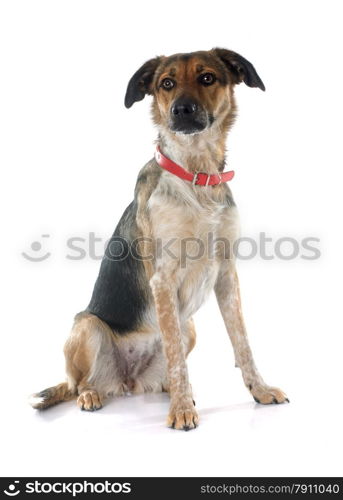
(190, 228)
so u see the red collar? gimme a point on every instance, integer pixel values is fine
(199, 178)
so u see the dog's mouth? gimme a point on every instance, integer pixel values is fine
(191, 124)
(188, 127)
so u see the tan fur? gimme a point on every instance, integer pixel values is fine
(191, 336)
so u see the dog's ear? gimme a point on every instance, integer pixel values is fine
(240, 69)
(140, 83)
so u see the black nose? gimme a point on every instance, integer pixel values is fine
(184, 107)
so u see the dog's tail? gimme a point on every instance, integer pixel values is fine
(52, 396)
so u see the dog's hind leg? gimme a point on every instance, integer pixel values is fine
(93, 363)
(51, 396)
(92, 366)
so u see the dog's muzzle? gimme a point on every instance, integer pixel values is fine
(187, 116)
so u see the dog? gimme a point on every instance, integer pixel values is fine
(137, 330)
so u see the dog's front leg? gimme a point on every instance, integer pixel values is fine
(229, 301)
(182, 414)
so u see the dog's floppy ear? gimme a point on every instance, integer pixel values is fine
(140, 83)
(241, 69)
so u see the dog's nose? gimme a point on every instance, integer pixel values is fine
(184, 107)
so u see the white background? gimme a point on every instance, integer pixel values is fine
(70, 154)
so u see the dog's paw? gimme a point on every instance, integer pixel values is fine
(266, 395)
(89, 400)
(38, 400)
(183, 416)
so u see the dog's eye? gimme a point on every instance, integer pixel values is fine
(207, 79)
(167, 83)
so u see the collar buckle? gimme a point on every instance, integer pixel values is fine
(195, 178)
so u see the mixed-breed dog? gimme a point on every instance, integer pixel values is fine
(137, 331)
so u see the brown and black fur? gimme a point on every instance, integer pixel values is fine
(137, 330)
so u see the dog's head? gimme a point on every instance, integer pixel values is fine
(191, 91)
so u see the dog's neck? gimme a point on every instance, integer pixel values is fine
(202, 152)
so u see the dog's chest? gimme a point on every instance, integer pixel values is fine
(192, 229)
